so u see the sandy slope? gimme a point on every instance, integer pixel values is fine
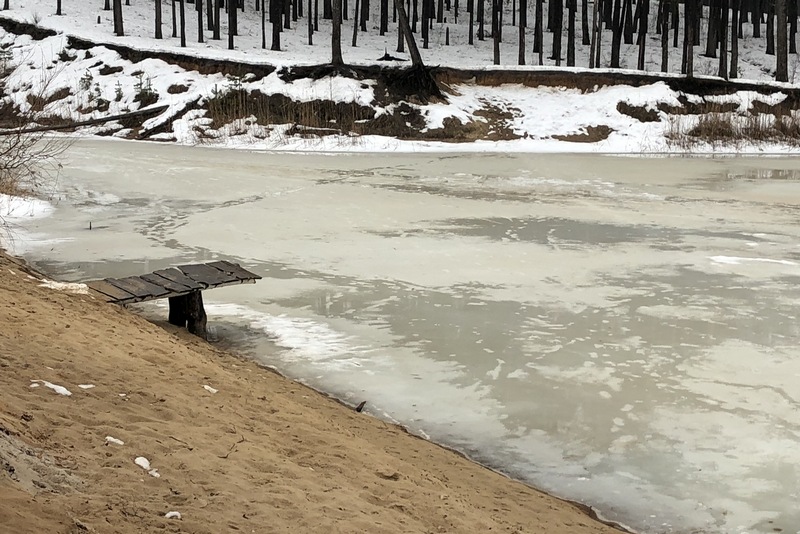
(263, 454)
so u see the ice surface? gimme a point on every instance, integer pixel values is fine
(565, 315)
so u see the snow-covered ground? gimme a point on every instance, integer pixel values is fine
(84, 84)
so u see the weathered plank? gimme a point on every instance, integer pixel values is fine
(178, 277)
(114, 292)
(141, 289)
(235, 270)
(207, 275)
(173, 287)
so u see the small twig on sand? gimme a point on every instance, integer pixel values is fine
(233, 448)
(181, 441)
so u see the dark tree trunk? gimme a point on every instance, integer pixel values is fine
(355, 23)
(217, 33)
(665, 9)
(538, 31)
(200, 28)
(782, 57)
(571, 8)
(627, 25)
(316, 15)
(336, 34)
(384, 25)
(231, 25)
(210, 15)
(689, 41)
(558, 23)
(756, 17)
(585, 37)
(723, 41)
(327, 10)
(712, 38)
(440, 12)
(471, 11)
(496, 31)
(402, 20)
(58, 7)
(676, 23)
(608, 13)
(792, 11)
(596, 22)
(159, 35)
(616, 34)
(275, 13)
(644, 11)
(734, 70)
(106, 6)
(287, 14)
(174, 19)
(480, 20)
(770, 29)
(119, 29)
(523, 22)
(182, 21)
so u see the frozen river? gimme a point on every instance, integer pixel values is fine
(618, 331)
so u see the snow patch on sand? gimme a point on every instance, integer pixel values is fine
(61, 390)
(144, 463)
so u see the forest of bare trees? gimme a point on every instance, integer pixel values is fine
(711, 28)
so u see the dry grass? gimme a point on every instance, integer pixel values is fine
(731, 128)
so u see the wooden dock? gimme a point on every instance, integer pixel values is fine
(182, 285)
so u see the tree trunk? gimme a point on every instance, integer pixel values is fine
(571, 8)
(355, 23)
(755, 16)
(558, 23)
(384, 24)
(770, 29)
(275, 13)
(782, 58)
(585, 37)
(734, 70)
(644, 11)
(200, 28)
(628, 22)
(402, 20)
(616, 34)
(471, 11)
(792, 12)
(665, 9)
(595, 30)
(676, 23)
(187, 311)
(480, 21)
(712, 39)
(174, 19)
(217, 33)
(689, 42)
(119, 28)
(159, 35)
(523, 22)
(182, 17)
(58, 7)
(231, 25)
(496, 31)
(106, 7)
(723, 41)
(210, 15)
(310, 23)
(336, 34)
(538, 37)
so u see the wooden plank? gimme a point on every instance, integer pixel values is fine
(113, 292)
(235, 270)
(141, 289)
(170, 285)
(174, 275)
(100, 296)
(207, 275)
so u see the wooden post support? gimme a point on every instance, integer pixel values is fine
(196, 314)
(187, 311)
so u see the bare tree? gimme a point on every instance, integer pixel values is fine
(735, 29)
(643, 7)
(523, 23)
(723, 41)
(158, 19)
(781, 63)
(336, 34)
(665, 10)
(58, 7)
(275, 14)
(183, 22)
(119, 30)
(199, 7)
